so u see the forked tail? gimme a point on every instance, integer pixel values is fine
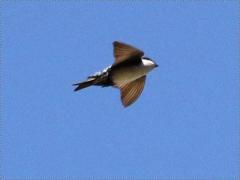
(84, 84)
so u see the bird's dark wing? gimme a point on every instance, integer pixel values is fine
(131, 91)
(123, 52)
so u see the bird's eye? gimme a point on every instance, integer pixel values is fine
(147, 58)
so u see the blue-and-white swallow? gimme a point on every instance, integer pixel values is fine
(128, 73)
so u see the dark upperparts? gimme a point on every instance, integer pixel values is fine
(129, 62)
(144, 57)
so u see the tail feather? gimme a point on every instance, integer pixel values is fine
(84, 84)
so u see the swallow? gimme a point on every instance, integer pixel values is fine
(128, 73)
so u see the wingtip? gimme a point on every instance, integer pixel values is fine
(124, 103)
(115, 42)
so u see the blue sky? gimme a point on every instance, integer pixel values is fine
(184, 125)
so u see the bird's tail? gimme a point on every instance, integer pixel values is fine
(84, 84)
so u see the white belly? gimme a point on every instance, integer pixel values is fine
(128, 74)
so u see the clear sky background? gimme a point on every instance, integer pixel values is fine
(185, 124)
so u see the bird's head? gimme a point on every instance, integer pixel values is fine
(149, 62)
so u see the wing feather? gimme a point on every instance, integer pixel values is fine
(123, 52)
(131, 91)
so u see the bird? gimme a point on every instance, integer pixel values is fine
(128, 73)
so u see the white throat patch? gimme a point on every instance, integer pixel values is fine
(147, 62)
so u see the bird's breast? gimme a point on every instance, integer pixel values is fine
(124, 75)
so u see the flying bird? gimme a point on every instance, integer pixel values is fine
(128, 73)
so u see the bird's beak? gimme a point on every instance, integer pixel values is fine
(156, 65)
